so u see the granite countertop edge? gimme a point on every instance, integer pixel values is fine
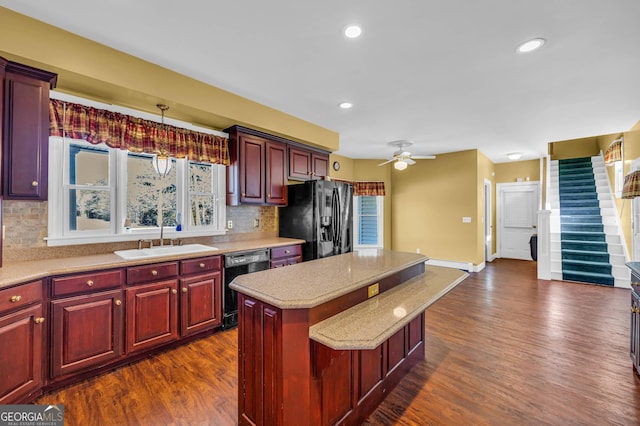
(321, 332)
(15, 273)
(326, 297)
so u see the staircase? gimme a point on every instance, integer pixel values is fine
(586, 243)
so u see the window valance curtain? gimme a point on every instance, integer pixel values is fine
(613, 153)
(631, 187)
(134, 134)
(365, 188)
(368, 188)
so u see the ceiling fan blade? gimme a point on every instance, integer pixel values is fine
(409, 161)
(388, 161)
(423, 157)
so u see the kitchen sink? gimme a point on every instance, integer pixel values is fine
(162, 251)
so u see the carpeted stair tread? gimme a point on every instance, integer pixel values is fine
(586, 255)
(578, 195)
(577, 211)
(575, 189)
(582, 227)
(585, 245)
(585, 277)
(583, 236)
(586, 266)
(581, 219)
(580, 203)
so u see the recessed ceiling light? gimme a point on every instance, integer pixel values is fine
(530, 45)
(345, 105)
(353, 31)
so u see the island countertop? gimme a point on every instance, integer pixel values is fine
(309, 284)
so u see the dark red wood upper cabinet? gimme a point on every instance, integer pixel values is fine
(276, 177)
(299, 164)
(305, 164)
(319, 165)
(261, 165)
(252, 170)
(25, 132)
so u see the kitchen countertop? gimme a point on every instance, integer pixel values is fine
(368, 324)
(22, 272)
(312, 283)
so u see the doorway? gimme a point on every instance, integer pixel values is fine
(517, 207)
(488, 225)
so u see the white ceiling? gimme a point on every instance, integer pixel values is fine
(441, 73)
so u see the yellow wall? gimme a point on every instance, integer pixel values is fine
(92, 70)
(574, 148)
(631, 147)
(514, 170)
(347, 167)
(428, 202)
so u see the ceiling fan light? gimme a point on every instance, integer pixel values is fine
(400, 165)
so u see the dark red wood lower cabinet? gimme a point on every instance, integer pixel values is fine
(152, 315)
(200, 303)
(86, 331)
(20, 354)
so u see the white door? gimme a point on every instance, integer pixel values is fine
(517, 218)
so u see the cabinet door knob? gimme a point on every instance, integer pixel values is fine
(202, 265)
(184, 289)
(287, 252)
(154, 272)
(244, 194)
(39, 320)
(269, 195)
(118, 302)
(90, 283)
(15, 299)
(34, 183)
(174, 291)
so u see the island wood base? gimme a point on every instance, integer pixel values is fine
(284, 378)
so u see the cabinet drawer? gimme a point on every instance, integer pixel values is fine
(17, 297)
(95, 281)
(286, 251)
(203, 264)
(157, 271)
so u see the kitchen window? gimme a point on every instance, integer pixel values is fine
(368, 221)
(102, 194)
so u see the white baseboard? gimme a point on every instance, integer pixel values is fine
(469, 267)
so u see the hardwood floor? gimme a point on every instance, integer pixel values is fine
(502, 348)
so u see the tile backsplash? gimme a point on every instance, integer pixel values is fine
(26, 228)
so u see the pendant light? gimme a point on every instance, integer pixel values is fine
(162, 160)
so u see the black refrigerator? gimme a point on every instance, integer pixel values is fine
(319, 212)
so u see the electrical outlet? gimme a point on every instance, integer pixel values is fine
(373, 290)
(230, 224)
(466, 219)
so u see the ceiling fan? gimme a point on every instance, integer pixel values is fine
(404, 158)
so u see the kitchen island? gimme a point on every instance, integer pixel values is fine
(323, 342)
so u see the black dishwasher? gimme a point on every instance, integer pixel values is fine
(235, 264)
